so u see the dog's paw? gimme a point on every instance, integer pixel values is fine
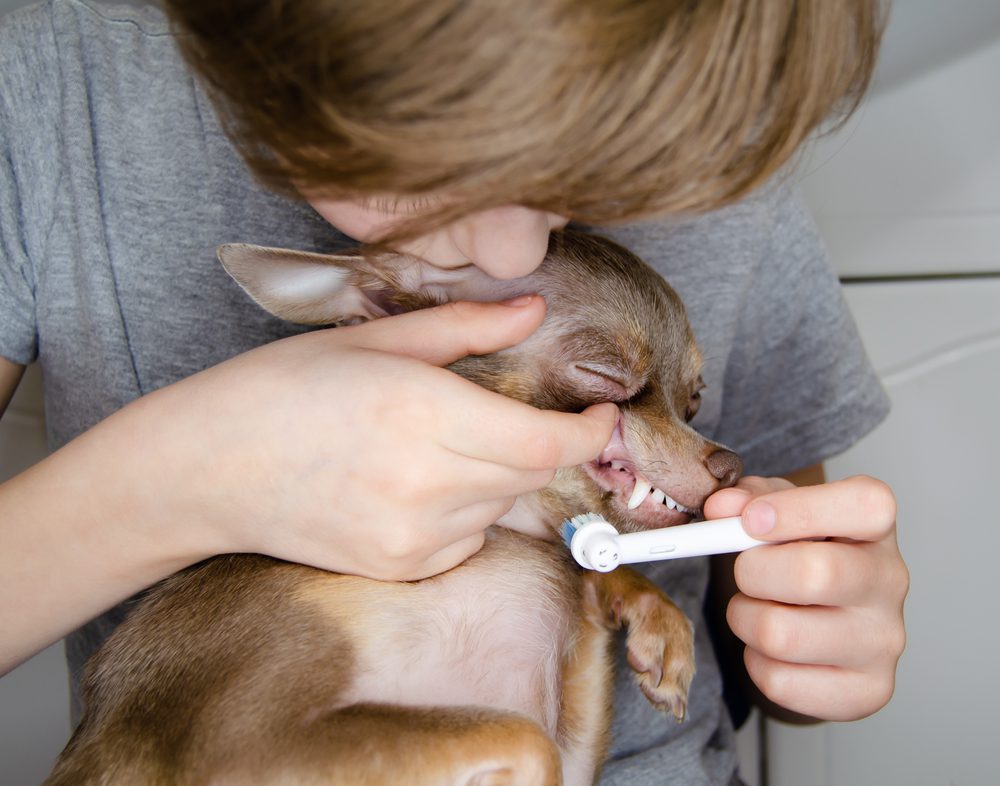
(660, 640)
(660, 649)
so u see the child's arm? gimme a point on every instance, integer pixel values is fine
(348, 449)
(822, 620)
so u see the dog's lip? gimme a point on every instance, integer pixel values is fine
(643, 490)
(652, 511)
(618, 478)
(615, 450)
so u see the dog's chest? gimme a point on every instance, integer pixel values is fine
(492, 632)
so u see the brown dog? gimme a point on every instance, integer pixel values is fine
(244, 669)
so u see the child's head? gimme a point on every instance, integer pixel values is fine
(599, 110)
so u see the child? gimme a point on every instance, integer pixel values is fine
(188, 423)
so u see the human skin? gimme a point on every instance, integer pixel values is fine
(506, 242)
(821, 615)
(289, 488)
(137, 504)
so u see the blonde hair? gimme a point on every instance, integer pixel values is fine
(602, 110)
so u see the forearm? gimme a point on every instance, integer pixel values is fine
(84, 529)
(250, 456)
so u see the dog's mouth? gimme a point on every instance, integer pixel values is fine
(632, 494)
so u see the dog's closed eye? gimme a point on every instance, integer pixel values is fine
(604, 378)
(609, 381)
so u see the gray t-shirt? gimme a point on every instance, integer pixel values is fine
(117, 184)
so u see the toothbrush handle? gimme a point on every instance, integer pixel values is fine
(719, 536)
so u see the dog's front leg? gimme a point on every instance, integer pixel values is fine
(660, 639)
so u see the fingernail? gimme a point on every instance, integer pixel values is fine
(760, 519)
(518, 302)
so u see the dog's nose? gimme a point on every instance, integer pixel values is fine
(725, 466)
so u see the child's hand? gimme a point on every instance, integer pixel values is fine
(352, 450)
(823, 621)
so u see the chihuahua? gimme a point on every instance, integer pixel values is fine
(244, 669)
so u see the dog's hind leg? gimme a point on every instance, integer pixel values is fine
(388, 745)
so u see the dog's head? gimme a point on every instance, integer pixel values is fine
(614, 331)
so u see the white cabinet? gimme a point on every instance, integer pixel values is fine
(937, 346)
(907, 197)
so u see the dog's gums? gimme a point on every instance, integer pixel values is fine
(633, 495)
(635, 498)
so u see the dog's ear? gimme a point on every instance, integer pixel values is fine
(311, 289)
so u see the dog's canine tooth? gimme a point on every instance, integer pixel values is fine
(643, 488)
(639, 493)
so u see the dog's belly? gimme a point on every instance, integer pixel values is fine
(493, 632)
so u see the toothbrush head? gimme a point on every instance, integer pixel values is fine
(570, 526)
(592, 541)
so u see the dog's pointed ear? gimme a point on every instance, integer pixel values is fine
(311, 289)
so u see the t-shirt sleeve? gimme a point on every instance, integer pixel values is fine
(799, 387)
(28, 171)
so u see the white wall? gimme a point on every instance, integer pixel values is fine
(911, 184)
(909, 193)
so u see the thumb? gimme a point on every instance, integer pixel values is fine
(443, 334)
(733, 501)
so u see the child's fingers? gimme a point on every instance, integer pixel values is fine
(824, 692)
(733, 500)
(447, 558)
(463, 533)
(858, 508)
(504, 431)
(827, 573)
(475, 422)
(819, 635)
(458, 482)
(443, 334)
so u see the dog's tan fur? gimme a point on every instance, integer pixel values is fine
(245, 669)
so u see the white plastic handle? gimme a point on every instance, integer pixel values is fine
(597, 545)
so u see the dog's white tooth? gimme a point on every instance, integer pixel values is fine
(672, 504)
(658, 496)
(642, 488)
(616, 465)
